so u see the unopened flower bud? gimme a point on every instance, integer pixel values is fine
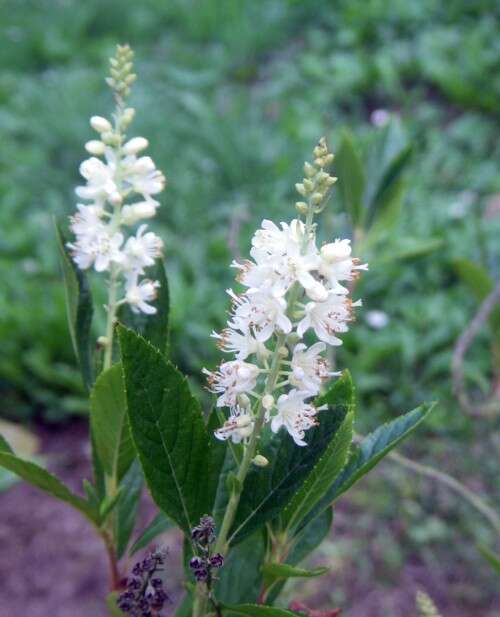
(336, 251)
(300, 189)
(128, 115)
(316, 199)
(115, 198)
(102, 341)
(100, 124)
(317, 292)
(244, 400)
(302, 207)
(308, 185)
(309, 170)
(283, 351)
(135, 145)
(331, 180)
(260, 461)
(328, 159)
(268, 401)
(94, 146)
(243, 421)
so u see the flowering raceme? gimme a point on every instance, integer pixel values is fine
(292, 289)
(102, 227)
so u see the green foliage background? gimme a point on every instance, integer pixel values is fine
(233, 96)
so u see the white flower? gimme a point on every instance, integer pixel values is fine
(260, 312)
(87, 221)
(309, 368)
(100, 124)
(238, 426)
(232, 378)
(142, 249)
(328, 318)
(100, 248)
(243, 344)
(142, 176)
(138, 294)
(337, 264)
(100, 177)
(295, 415)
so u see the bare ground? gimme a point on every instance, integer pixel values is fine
(52, 564)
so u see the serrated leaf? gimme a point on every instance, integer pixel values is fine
(78, 307)
(241, 577)
(168, 431)
(267, 490)
(158, 525)
(45, 481)
(109, 424)
(127, 506)
(370, 451)
(349, 168)
(257, 610)
(332, 460)
(274, 571)
(154, 328)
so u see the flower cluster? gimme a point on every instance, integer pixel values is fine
(144, 595)
(203, 536)
(292, 289)
(119, 190)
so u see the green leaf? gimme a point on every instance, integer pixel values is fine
(78, 307)
(109, 424)
(42, 479)
(269, 489)
(274, 571)
(158, 525)
(257, 610)
(332, 460)
(492, 558)
(4, 445)
(241, 577)
(370, 451)
(309, 538)
(349, 169)
(168, 431)
(154, 328)
(126, 509)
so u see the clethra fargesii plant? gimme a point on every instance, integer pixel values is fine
(252, 483)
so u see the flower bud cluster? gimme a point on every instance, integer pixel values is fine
(292, 289)
(119, 189)
(202, 566)
(144, 595)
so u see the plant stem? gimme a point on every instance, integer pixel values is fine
(110, 325)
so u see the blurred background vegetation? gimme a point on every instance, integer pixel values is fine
(233, 95)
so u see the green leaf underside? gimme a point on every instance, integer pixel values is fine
(241, 577)
(45, 481)
(370, 451)
(168, 431)
(257, 610)
(273, 571)
(267, 490)
(154, 328)
(331, 461)
(109, 423)
(127, 506)
(158, 525)
(79, 308)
